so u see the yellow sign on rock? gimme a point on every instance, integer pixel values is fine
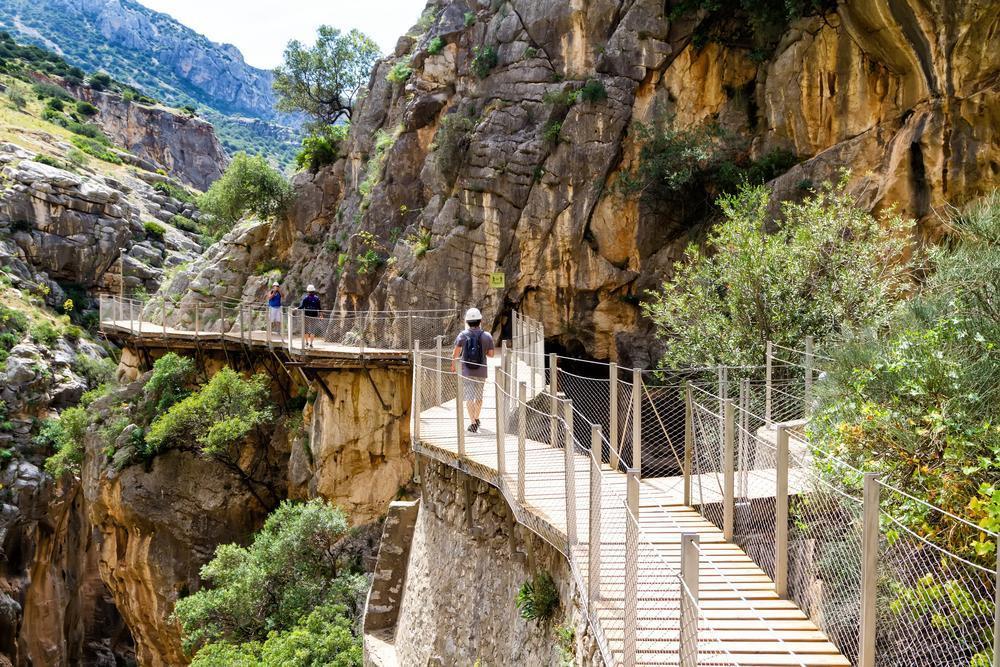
(498, 280)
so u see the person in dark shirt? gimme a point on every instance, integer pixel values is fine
(310, 307)
(472, 347)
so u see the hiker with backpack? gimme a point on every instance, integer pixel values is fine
(310, 308)
(472, 347)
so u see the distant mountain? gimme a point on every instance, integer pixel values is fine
(165, 59)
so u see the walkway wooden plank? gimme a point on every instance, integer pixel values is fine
(760, 628)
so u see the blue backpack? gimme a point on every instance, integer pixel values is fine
(472, 351)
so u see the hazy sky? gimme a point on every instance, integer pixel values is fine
(261, 28)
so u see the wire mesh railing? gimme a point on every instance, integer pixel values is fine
(292, 328)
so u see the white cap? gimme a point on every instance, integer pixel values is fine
(274, 284)
(473, 315)
(311, 288)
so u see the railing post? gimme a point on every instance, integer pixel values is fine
(723, 374)
(163, 317)
(613, 441)
(416, 391)
(522, 400)
(869, 567)
(767, 385)
(688, 441)
(728, 468)
(631, 600)
(594, 527)
(996, 609)
(570, 474)
(409, 327)
(688, 650)
(554, 398)
(302, 332)
(460, 408)
(808, 363)
(499, 402)
(781, 514)
(243, 325)
(637, 420)
(439, 382)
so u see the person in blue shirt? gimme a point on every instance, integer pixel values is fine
(274, 307)
(310, 308)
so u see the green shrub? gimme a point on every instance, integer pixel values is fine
(169, 383)
(76, 158)
(178, 192)
(484, 60)
(399, 73)
(470, 19)
(85, 108)
(185, 223)
(66, 435)
(50, 90)
(290, 570)
(13, 327)
(730, 175)
(321, 148)
(552, 130)
(670, 159)
(55, 104)
(44, 333)
(918, 401)
(376, 161)
(96, 371)
(51, 161)
(420, 242)
(16, 99)
(827, 266)
(154, 230)
(249, 186)
(96, 149)
(538, 598)
(88, 130)
(435, 46)
(99, 81)
(218, 417)
(593, 91)
(451, 142)
(561, 97)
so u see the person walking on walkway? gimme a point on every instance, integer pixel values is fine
(472, 347)
(310, 308)
(274, 307)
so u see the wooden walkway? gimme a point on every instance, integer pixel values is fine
(150, 334)
(744, 621)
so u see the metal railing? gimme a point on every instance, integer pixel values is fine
(289, 327)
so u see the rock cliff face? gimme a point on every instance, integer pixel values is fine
(486, 159)
(184, 146)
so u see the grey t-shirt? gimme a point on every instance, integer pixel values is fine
(486, 341)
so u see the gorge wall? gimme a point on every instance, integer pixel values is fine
(484, 159)
(468, 558)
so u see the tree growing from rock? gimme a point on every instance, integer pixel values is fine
(250, 186)
(324, 80)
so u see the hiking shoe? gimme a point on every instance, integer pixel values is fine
(474, 427)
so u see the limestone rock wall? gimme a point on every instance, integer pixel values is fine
(492, 169)
(468, 559)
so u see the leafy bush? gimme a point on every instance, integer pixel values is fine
(420, 242)
(484, 60)
(470, 19)
(730, 175)
(66, 435)
(50, 90)
(827, 266)
(538, 598)
(593, 91)
(321, 147)
(52, 162)
(13, 326)
(99, 81)
(154, 230)
(919, 401)
(95, 370)
(218, 418)
(376, 162)
(669, 158)
(292, 577)
(168, 384)
(88, 130)
(563, 97)
(76, 158)
(85, 108)
(16, 98)
(55, 104)
(96, 149)
(552, 130)
(399, 73)
(435, 46)
(178, 192)
(451, 142)
(185, 223)
(44, 333)
(249, 186)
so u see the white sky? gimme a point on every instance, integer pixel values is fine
(262, 28)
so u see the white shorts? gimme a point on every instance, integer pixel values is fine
(274, 313)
